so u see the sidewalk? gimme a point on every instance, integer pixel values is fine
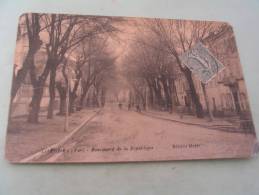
(24, 139)
(216, 124)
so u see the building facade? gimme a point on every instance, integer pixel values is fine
(226, 92)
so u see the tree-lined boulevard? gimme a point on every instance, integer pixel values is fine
(127, 75)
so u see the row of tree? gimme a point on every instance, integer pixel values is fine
(154, 63)
(62, 38)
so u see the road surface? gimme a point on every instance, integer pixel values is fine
(121, 135)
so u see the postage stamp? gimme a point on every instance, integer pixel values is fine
(201, 62)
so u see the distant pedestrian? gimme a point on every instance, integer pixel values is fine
(129, 106)
(120, 105)
(138, 108)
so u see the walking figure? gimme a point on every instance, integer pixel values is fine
(138, 108)
(129, 106)
(120, 105)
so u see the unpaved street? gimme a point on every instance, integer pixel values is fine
(122, 135)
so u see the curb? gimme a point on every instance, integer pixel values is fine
(39, 154)
(191, 124)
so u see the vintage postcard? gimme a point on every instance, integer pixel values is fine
(122, 89)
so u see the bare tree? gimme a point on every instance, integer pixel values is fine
(99, 61)
(29, 28)
(62, 87)
(179, 36)
(56, 48)
(154, 65)
(65, 32)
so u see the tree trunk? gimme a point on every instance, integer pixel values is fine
(157, 90)
(38, 85)
(151, 97)
(51, 93)
(83, 95)
(144, 104)
(96, 94)
(21, 75)
(35, 104)
(236, 101)
(150, 94)
(62, 106)
(207, 102)
(194, 95)
(175, 99)
(167, 95)
(103, 97)
(62, 96)
(73, 96)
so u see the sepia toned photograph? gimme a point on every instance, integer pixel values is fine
(91, 89)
